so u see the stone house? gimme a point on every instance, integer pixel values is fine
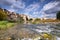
(12, 16)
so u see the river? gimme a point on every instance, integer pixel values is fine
(30, 30)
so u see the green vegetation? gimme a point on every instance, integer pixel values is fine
(5, 25)
(37, 21)
(58, 15)
(3, 16)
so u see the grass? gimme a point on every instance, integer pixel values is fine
(5, 25)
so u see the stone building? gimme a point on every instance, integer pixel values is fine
(14, 16)
(25, 17)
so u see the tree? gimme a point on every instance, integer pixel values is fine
(37, 19)
(3, 16)
(58, 15)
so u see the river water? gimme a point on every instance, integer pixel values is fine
(46, 28)
(21, 30)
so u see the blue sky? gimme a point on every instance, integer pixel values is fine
(33, 8)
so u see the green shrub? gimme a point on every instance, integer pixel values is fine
(5, 25)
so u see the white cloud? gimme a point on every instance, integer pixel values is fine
(50, 5)
(18, 4)
(32, 7)
(13, 3)
(12, 10)
(35, 13)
